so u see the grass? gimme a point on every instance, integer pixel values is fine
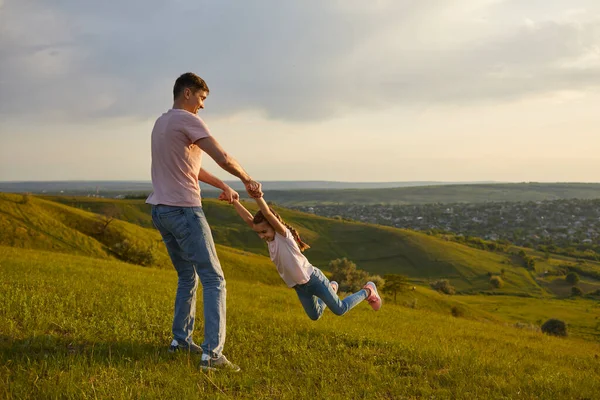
(581, 315)
(78, 327)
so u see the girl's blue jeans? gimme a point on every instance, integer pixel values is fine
(316, 295)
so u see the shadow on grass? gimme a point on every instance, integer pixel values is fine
(44, 347)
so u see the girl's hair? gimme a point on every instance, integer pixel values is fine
(260, 217)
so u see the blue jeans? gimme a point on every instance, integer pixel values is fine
(316, 295)
(189, 242)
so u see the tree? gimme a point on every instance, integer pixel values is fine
(575, 291)
(345, 273)
(572, 278)
(341, 270)
(107, 216)
(395, 283)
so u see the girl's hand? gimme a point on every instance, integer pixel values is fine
(254, 189)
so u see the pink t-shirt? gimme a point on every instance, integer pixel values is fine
(292, 265)
(176, 160)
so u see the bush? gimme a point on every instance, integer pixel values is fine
(575, 291)
(457, 311)
(444, 286)
(572, 278)
(496, 282)
(26, 198)
(135, 253)
(413, 303)
(555, 327)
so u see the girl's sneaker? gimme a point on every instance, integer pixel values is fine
(373, 299)
(334, 286)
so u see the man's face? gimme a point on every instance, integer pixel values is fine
(194, 101)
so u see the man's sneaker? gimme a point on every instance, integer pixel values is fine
(221, 363)
(373, 299)
(334, 286)
(184, 347)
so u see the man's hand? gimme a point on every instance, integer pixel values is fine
(254, 189)
(229, 195)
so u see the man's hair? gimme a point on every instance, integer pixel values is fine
(191, 81)
(260, 217)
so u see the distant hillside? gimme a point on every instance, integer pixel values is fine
(476, 193)
(306, 193)
(74, 225)
(374, 248)
(104, 187)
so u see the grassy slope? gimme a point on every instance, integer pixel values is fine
(581, 315)
(31, 226)
(374, 248)
(76, 327)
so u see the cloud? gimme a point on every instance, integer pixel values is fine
(288, 60)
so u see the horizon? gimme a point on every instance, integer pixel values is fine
(449, 182)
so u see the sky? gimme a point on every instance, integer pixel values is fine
(344, 90)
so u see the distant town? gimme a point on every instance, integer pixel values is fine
(546, 224)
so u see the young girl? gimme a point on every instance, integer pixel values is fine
(285, 248)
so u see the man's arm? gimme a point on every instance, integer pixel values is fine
(228, 193)
(211, 147)
(207, 177)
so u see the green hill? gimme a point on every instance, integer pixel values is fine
(76, 322)
(374, 248)
(71, 225)
(79, 327)
(76, 225)
(27, 224)
(46, 225)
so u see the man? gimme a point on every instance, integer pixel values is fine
(179, 137)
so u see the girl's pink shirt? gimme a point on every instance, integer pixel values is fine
(293, 267)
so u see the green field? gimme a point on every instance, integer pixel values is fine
(78, 322)
(79, 327)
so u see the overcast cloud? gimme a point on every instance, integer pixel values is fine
(378, 90)
(293, 60)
